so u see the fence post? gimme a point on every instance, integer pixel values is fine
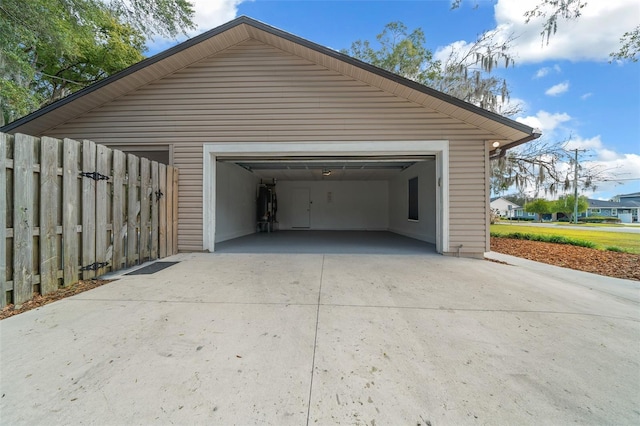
(119, 228)
(3, 218)
(133, 208)
(162, 211)
(70, 205)
(174, 205)
(169, 211)
(23, 212)
(49, 201)
(102, 242)
(155, 203)
(145, 218)
(88, 209)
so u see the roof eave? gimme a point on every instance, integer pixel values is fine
(501, 151)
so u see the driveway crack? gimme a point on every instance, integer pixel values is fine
(315, 341)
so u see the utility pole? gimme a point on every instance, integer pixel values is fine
(575, 189)
(575, 184)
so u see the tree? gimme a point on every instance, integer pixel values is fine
(540, 165)
(630, 46)
(465, 74)
(51, 48)
(552, 11)
(400, 52)
(555, 11)
(547, 167)
(566, 203)
(538, 206)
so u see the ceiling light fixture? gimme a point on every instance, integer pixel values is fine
(496, 144)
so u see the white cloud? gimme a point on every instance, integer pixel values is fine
(620, 166)
(608, 155)
(594, 143)
(457, 48)
(212, 13)
(545, 121)
(545, 71)
(208, 15)
(557, 89)
(611, 165)
(586, 96)
(592, 36)
(542, 72)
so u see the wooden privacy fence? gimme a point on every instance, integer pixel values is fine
(76, 210)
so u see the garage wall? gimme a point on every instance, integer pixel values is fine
(354, 205)
(425, 228)
(235, 202)
(468, 198)
(253, 92)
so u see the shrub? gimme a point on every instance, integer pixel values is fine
(599, 219)
(494, 217)
(556, 239)
(614, 248)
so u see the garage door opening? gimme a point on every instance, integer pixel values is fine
(358, 202)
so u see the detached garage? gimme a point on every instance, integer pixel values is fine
(335, 143)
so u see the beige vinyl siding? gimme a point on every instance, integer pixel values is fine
(188, 159)
(467, 196)
(253, 92)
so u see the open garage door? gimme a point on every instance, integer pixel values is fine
(398, 192)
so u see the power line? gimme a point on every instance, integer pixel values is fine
(615, 180)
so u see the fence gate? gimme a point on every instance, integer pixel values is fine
(76, 210)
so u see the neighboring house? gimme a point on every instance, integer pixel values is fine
(503, 207)
(626, 211)
(520, 213)
(351, 146)
(627, 197)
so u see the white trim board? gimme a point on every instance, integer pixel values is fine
(439, 148)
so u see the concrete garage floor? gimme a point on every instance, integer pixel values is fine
(334, 242)
(295, 339)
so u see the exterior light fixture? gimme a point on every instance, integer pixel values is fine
(496, 144)
(326, 172)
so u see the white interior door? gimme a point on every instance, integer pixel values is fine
(301, 208)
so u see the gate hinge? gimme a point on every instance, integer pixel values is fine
(94, 266)
(94, 175)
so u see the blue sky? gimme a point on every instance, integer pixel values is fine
(567, 88)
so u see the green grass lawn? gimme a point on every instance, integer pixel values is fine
(602, 239)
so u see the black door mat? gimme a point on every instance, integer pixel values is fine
(152, 269)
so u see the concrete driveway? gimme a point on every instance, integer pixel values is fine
(330, 339)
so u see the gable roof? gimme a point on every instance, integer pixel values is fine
(611, 204)
(494, 199)
(632, 195)
(510, 133)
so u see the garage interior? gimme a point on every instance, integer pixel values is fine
(330, 204)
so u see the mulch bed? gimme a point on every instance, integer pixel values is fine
(39, 300)
(608, 263)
